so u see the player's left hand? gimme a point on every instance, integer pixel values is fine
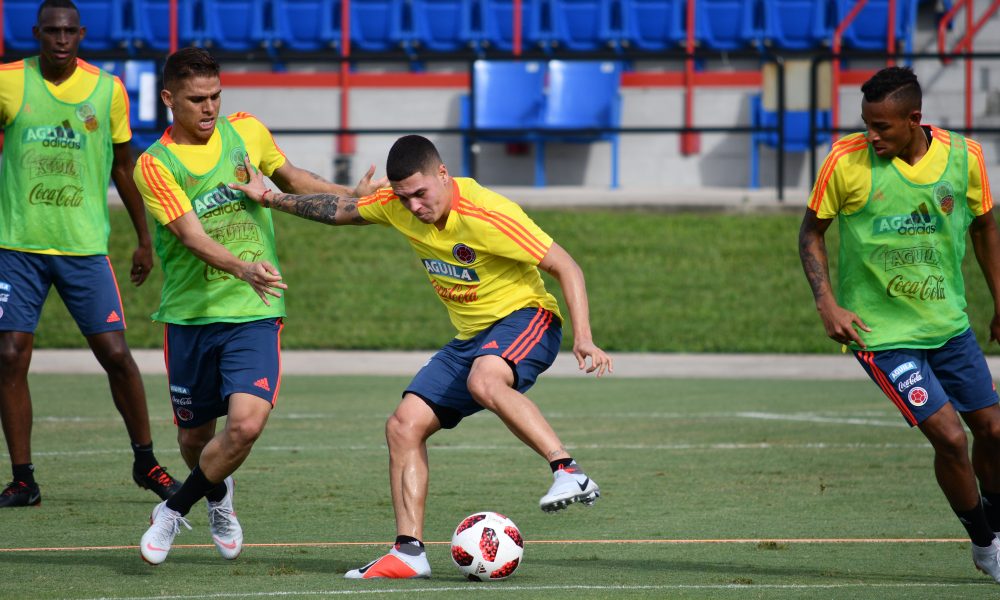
(142, 264)
(995, 328)
(366, 186)
(599, 360)
(255, 188)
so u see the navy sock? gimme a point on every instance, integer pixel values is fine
(194, 489)
(217, 493)
(991, 506)
(25, 473)
(975, 523)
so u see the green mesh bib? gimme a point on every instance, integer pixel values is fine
(901, 255)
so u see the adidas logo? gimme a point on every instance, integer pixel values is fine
(113, 317)
(491, 345)
(262, 384)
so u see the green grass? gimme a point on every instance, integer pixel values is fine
(676, 460)
(658, 281)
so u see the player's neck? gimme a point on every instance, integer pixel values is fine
(917, 148)
(55, 74)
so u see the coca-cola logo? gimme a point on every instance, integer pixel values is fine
(909, 381)
(66, 195)
(931, 288)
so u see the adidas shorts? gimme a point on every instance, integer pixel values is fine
(528, 339)
(920, 382)
(206, 364)
(86, 285)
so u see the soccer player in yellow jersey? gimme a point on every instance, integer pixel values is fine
(222, 336)
(482, 255)
(905, 195)
(66, 131)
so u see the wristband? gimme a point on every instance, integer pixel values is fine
(264, 195)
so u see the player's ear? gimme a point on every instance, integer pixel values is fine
(167, 98)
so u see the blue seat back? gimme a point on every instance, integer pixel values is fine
(497, 18)
(19, 16)
(583, 94)
(727, 24)
(377, 25)
(796, 24)
(306, 25)
(105, 23)
(580, 24)
(443, 25)
(151, 24)
(235, 25)
(653, 24)
(140, 80)
(508, 94)
(796, 126)
(868, 30)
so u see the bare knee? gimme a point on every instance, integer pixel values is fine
(483, 388)
(952, 444)
(193, 441)
(245, 431)
(15, 353)
(987, 432)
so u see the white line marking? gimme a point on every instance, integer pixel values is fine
(810, 418)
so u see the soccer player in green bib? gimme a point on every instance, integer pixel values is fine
(222, 336)
(905, 195)
(66, 127)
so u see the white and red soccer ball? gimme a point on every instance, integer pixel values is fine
(487, 546)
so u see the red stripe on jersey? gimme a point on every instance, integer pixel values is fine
(171, 205)
(977, 150)
(528, 242)
(14, 66)
(239, 116)
(840, 149)
(128, 109)
(887, 388)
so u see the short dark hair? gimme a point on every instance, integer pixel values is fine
(898, 84)
(187, 63)
(411, 154)
(57, 4)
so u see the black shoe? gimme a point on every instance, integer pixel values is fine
(158, 480)
(19, 493)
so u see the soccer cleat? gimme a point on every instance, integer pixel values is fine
(164, 525)
(19, 493)
(987, 559)
(395, 565)
(226, 531)
(571, 485)
(158, 480)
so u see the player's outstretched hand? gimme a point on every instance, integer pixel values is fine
(142, 264)
(842, 325)
(599, 360)
(264, 279)
(255, 188)
(366, 186)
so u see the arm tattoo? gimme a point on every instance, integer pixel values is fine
(323, 208)
(315, 176)
(814, 263)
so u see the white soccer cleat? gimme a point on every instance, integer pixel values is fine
(164, 525)
(226, 531)
(987, 559)
(395, 565)
(571, 485)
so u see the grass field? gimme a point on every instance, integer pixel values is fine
(711, 489)
(658, 282)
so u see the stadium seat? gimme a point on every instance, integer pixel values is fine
(306, 25)
(796, 24)
(796, 132)
(727, 24)
(444, 25)
(653, 24)
(868, 30)
(105, 23)
(581, 95)
(377, 25)
(151, 24)
(19, 16)
(235, 25)
(507, 95)
(497, 18)
(140, 80)
(582, 25)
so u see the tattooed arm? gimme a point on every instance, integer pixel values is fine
(839, 322)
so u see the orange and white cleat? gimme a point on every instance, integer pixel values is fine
(399, 563)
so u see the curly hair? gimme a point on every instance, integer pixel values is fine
(898, 84)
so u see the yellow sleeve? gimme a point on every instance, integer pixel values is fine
(261, 147)
(844, 181)
(164, 198)
(978, 194)
(121, 128)
(373, 208)
(11, 90)
(510, 232)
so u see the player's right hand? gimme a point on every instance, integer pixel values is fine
(264, 279)
(842, 325)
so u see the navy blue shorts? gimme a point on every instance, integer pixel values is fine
(528, 339)
(920, 382)
(86, 284)
(206, 364)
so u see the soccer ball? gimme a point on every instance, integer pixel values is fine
(487, 546)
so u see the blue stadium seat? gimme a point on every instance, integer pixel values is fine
(497, 18)
(444, 25)
(727, 24)
(508, 95)
(306, 25)
(140, 80)
(235, 25)
(581, 95)
(868, 30)
(796, 132)
(151, 24)
(19, 16)
(653, 24)
(584, 25)
(377, 25)
(797, 24)
(105, 23)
